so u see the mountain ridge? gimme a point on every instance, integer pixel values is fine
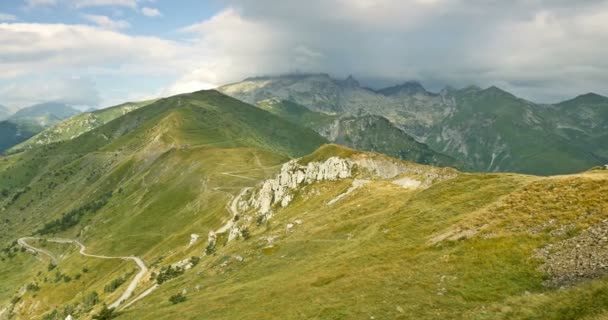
(488, 143)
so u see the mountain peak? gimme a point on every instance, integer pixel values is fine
(496, 91)
(350, 81)
(406, 88)
(588, 98)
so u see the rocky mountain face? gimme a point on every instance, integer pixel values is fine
(486, 129)
(362, 131)
(279, 191)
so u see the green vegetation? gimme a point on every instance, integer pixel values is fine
(74, 217)
(177, 298)
(78, 125)
(363, 132)
(144, 183)
(105, 314)
(168, 273)
(486, 130)
(115, 284)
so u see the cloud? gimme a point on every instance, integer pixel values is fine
(150, 12)
(84, 3)
(36, 3)
(544, 50)
(32, 48)
(75, 91)
(5, 17)
(107, 22)
(101, 3)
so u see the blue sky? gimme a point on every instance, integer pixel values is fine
(104, 52)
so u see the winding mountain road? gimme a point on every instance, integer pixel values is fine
(130, 289)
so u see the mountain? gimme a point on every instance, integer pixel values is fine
(12, 133)
(405, 89)
(584, 121)
(79, 124)
(495, 129)
(45, 114)
(364, 132)
(201, 206)
(4, 112)
(485, 129)
(140, 183)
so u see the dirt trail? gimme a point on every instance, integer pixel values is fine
(22, 242)
(130, 289)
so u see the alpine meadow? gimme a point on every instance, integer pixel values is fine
(327, 159)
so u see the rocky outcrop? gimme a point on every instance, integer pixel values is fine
(280, 190)
(582, 257)
(277, 191)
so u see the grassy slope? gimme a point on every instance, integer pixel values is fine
(164, 164)
(370, 255)
(79, 124)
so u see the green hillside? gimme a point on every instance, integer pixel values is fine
(79, 124)
(493, 128)
(239, 214)
(141, 184)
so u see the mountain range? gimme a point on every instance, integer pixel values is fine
(201, 205)
(484, 129)
(20, 126)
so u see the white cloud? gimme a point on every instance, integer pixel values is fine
(36, 3)
(150, 12)
(76, 91)
(5, 17)
(106, 22)
(30, 48)
(541, 49)
(101, 3)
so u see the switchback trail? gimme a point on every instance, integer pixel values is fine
(130, 289)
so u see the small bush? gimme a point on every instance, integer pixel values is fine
(105, 314)
(177, 298)
(112, 286)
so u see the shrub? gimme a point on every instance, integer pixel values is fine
(105, 314)
(112, 286)
(168, 273)
(177, 298)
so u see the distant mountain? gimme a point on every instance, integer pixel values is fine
(404, 89)
(79, 124)
(364, 132)
(13, 133)
(493, 130)
(486, 129)
(45, 114)
(4, 112)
